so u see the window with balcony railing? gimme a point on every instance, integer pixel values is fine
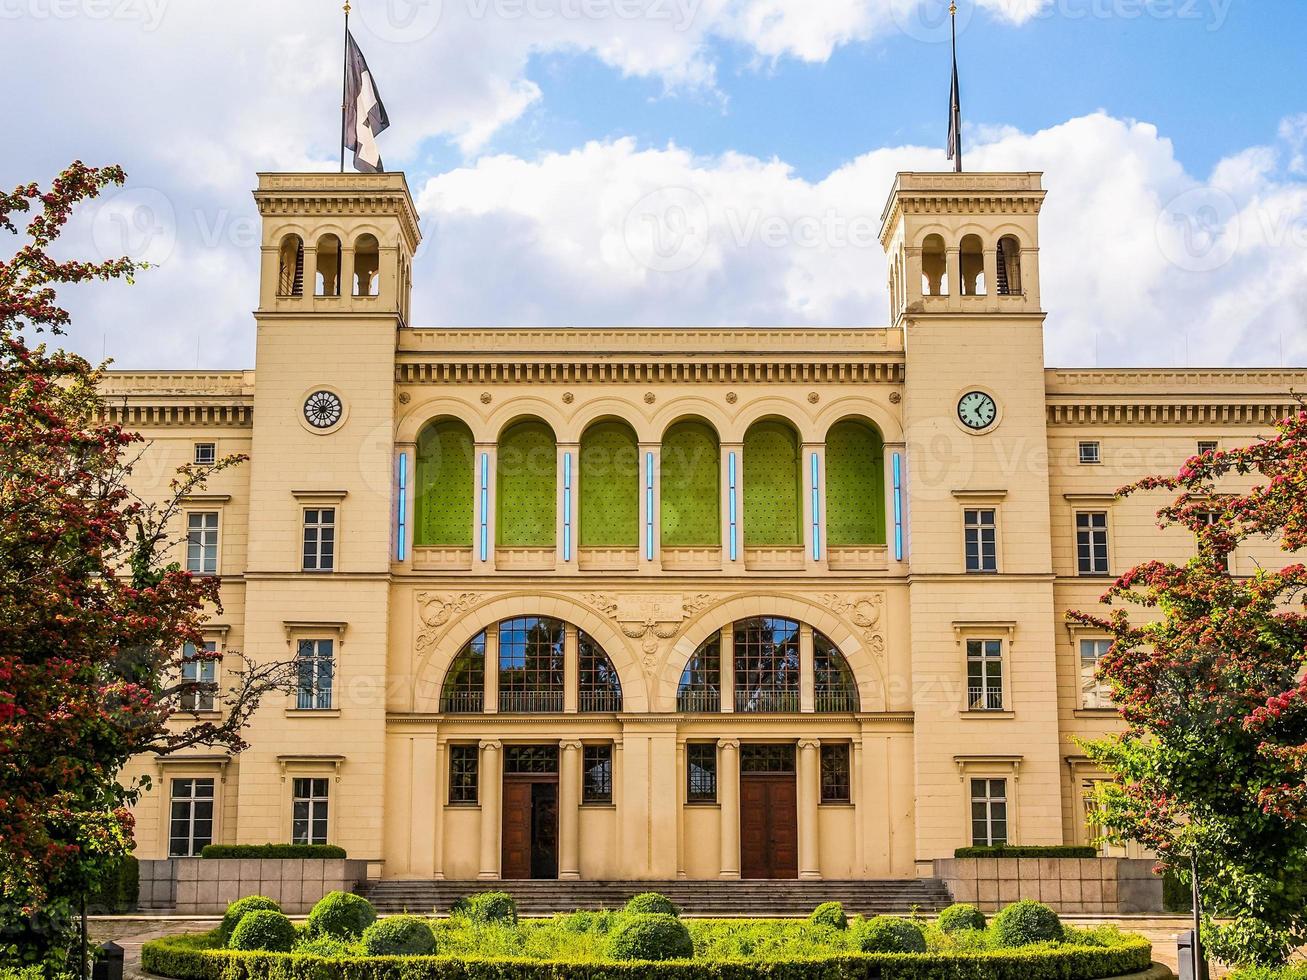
(600, 687)
(700, 688)
(465, 683)
(766, 665)
(985, 675)
(834, 687)
(531, 665)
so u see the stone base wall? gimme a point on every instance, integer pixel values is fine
(1085, 886)
(200, 886)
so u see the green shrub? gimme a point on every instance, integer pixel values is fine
(890, 934)
(119, 890)
(341, 914)
(960, 916)
(651, 936)
(237, 909)
(491, 907)
(1024, 923)
(1298, 972)
(651, 903)
(583, 922)
(829, 914)
(328, 947)
(291, 852)
(400, 935)
(1027, 851)
(1177, 896)
(263, 929)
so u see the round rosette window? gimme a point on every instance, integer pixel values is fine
(323, 409)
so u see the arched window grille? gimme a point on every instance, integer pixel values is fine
(531, 665)
(701, 681)
(834, 686)
(445, 489)
(527, 482)
(691, 493)
(610, 486)
(773, 509)
(600, 687)
(766, 665)
(465, 683)
(855, 484)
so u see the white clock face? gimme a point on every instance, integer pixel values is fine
(977, 410)
(322, 409)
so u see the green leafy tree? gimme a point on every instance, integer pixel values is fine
(93, 611)
(1208, 677)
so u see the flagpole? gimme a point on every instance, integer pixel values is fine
(344, 89)
(957, 109)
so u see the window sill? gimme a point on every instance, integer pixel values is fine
(462, 806)
(189, 715)
(598, 806)
(988, 714)
(837, 805)
(1095, 713)
(703, 804)
(1099, 575)
(312, 712)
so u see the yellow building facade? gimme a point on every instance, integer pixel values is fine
(618, 604)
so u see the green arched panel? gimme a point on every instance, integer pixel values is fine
(445, 490)
(527, 474)
(610, 486)
(773, 509)
(855, 485)
(691, 486)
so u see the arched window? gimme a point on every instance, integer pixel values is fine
(610, 486)
(766, 665)
(1009, 266)
(531, 665)
(367, 266)
(327, 282)
(691, 486)
(445, 490)
(834, 686)
(855, 484)
(527, 473)
(701, 681)
(972, 260)
(600, 687)
(290, 273)
(773, 514)
(465, 683)
(934, 267)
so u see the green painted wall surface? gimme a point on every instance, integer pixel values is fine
(691, 486)
(773, 510)
(527, 480)
(855, 485)
(445, 489)
(610, 486)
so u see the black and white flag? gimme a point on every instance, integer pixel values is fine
(365, 115)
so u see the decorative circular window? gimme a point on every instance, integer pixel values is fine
(323, 409)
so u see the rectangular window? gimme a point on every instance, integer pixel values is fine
(1093, 693)
(988, 812)
(1090, 453)
(1208, 446)
(1210, 518)
(206, 453)
(309, 812)
(202, 542)
(1091, 542)
(835, 769)
(316, 668)
(981, 540)
(463, 761)
(597, 773)
(985, 675)
(190, 827)
(199, 671)
(701, 772)
(319, 539)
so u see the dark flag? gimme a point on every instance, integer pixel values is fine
(955, 103)
(365, 115)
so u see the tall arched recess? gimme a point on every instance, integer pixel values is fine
(445, 490)
(773, 509)
(691, 486)
(855, 484)
(527, 474)
(610, 486)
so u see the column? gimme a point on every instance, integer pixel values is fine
(438, 840)
(651, 544)
(813, 461)
(809, 796)
(953, 262)
(490, 780)
(807, 678)
(483, 514)
(912, 273)
(727, 649)
(490, 702)
(990, 263)
(728, 797)
(565, 536)
(569, 812)
(571, 669)
(732, 481)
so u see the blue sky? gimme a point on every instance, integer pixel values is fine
(1172, 133)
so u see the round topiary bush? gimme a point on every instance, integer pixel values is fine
(263, 929)
(829, 914)
(961, 916)
(238, 909)
(491, 907)
(651, 903)
(399, 935)
(890, 934)
(651, 936)
(341, 914)
(1023, 923)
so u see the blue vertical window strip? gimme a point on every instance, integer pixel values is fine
(732, 506)
(484, 516)
(401, 522)
(648, 506)
(816, 508)
(567, 506)
(898, 507)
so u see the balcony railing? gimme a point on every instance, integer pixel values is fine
(463, 703)
(599, 701)
(836, 701)
(985, 699)
(530, 702)
(698, 702)
(766, 702)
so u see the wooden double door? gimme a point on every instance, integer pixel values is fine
(769, 813)
(530, 813)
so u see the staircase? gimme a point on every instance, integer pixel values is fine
(710, 899)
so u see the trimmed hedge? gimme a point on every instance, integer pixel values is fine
(890, 934)
(239, 909)
(263, 929)
(193, 958)
(289, 852)
(1032, 851)
(829, 914)
(1025, 923)
(651, 903)
(341, 915)
(650, 936)
(489, 907)
(960, 916)
(120, 890)
(400, 935)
